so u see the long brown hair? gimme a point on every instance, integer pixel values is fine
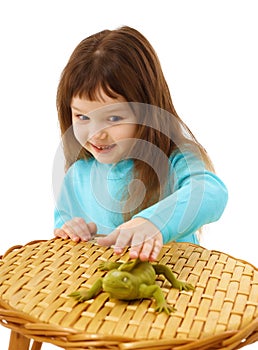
(123, 62)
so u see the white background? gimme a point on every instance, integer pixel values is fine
(208, 50)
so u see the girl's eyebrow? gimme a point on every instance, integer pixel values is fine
(112, 108)
(76, 109)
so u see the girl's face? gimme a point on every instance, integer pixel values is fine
(105, 128)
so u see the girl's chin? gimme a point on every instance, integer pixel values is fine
(107, 160)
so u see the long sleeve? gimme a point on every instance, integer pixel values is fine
(197, 197)
(68, 202)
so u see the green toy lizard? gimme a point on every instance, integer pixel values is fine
(132, 280)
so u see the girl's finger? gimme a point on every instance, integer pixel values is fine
(92, 228)
(70, 231)
(158, 243)
(147, 249)
(67, 228)
(142, 247)
(80, 228)
(60, 233)
(123, 240)
(109, 240)
(137, 244)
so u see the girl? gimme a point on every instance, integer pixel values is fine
(134, 170)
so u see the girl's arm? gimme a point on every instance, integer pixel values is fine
(198, 197)
(70, 220)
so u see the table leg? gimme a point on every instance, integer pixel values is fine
(36, 345)
(18, 341)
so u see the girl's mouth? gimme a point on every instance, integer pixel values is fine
(102, 148)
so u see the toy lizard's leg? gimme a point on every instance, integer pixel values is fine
(112, 265)
(154, 291)
(129, 265)
(109, 265)
(165, 270)
(88, 294)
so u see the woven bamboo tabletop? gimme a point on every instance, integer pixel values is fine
(35, 279)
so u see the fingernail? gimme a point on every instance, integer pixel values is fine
(118, 250)
(153, 257)
(133, 255)
(144, 257)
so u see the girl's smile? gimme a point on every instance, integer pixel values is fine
(105, 128)
(102, 148)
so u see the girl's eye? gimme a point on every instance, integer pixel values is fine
(115, 118)
(82, 117)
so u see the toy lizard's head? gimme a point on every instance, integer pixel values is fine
(119, 284)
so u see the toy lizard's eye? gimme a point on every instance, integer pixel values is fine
(125, 279)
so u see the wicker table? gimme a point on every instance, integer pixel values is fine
(35, 279)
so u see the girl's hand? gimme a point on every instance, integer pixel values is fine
(77, 229)
(144, 238)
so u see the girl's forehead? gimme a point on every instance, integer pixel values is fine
(78, 102)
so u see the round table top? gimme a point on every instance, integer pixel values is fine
(35, 280)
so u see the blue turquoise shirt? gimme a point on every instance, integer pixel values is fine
(94, 191)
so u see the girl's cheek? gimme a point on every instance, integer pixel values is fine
(81, 133)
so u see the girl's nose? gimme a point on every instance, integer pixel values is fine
(101, 135)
